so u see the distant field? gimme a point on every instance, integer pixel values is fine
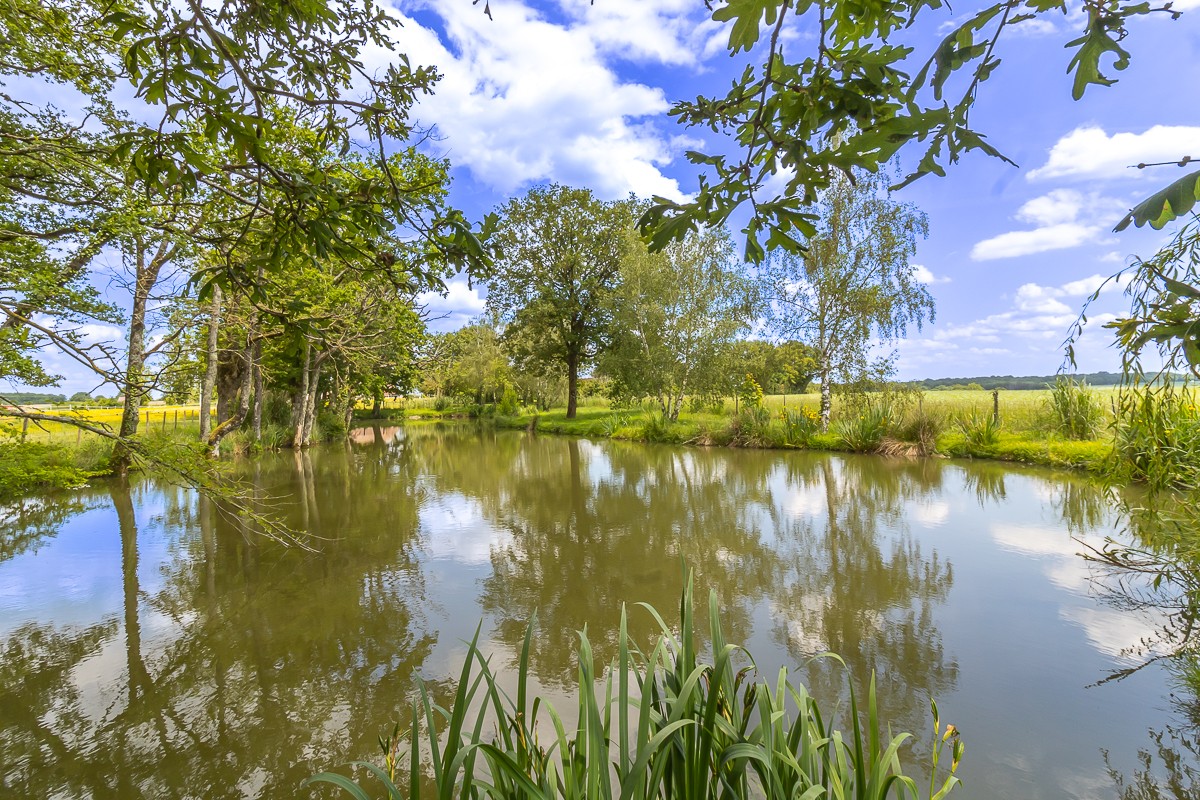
(152, 418)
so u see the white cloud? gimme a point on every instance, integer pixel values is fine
(524, 99)
(1032, 327)
(460, 304)
(923, 274)
(1088, 153)
(1038, 240)
(1060, 219)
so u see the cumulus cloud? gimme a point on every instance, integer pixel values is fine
(457, 307)
(525, 99)
(1089, 153)
(1064, 218)
(923, 274)
(1032, 328)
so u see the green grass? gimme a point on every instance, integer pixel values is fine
(1027, 432)
(664, 722)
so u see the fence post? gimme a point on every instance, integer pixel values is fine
(996, 407)
(24, 427)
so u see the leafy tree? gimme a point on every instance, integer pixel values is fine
(853, 284)
(555, 278)
(814, 111)
(676, 312)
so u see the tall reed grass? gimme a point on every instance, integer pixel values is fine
(670, 724)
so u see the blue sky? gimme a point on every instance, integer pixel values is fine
(578, 93)
(569, 91)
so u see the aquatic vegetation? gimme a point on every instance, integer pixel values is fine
(671, 724)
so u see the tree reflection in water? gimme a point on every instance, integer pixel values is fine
(246, 668)
(816, 542)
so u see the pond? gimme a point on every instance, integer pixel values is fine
(152, 645)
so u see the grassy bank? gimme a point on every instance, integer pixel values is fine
(957, 423)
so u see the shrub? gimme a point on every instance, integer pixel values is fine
(750, 393)
(1158, 436)
(751, 428)
(922, 427)
(510, 404)
(670, 724)
(27, 466)
(799, 424)
(979, 427)
(1074, 409)
(863, 432)
(441, 403)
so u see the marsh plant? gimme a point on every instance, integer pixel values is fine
(1158, 435)
(922, 426)
(670, 724)
(1074, 409)
(979, 427)
(751, 427)
(800, 424)
(862, 429)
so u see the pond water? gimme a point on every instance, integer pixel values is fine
(152, 646)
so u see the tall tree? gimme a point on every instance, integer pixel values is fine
(556, 274)
(854, 283)
(676, 312)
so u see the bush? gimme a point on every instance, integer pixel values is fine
(1074, 409)
(750, 393)
(922, 427)
(799, 424)
(1158, 436)
(979, 427)
(671, 724)
(510, 404)
(864, 431)
(27, 466)
(751, 428)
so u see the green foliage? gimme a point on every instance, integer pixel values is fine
(750, 393)
(1166, 205)
(1158, 436)
(751, 427)
(800, 425)
(854, 286)
(27, 466)
(509, 403)
(676, 315)
(922, 426)
(862, 430)
(1074, 409)
(852, 100)
(554, 281)
(979, 427)
(671, 724)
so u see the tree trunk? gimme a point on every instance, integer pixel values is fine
(232, 368)
(572, 384)
(210, 372)
(256, 372)
(145, 277)
(310, 403)
(301, 400)
(239, 416)
(826, 401)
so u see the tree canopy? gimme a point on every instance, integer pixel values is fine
(557, 267)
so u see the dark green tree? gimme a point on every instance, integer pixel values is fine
(556, 273)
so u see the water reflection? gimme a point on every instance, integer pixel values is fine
(153, 642)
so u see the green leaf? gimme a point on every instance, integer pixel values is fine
(1166, 205)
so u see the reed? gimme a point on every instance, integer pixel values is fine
(671, 724)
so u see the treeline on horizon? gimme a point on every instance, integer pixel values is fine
(1018, 382)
